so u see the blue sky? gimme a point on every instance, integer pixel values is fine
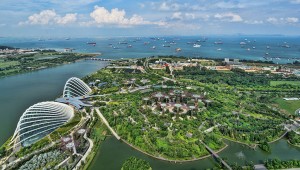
(105, 18)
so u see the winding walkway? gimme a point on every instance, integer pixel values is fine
(170, 160)
(107, 124)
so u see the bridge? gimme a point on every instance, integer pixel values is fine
(98, 59)
(292, 126)
(216, 156)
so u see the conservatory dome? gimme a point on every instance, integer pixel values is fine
(40, 120)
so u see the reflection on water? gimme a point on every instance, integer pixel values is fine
(113, 153)
(112, 150)
(279, 149)
(240, 155)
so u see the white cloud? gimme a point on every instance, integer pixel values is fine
(254, 22)
(68, 18)
(205, 17)
(102, 16)
(141, 5)
(272, 20)
(292, 20)
(295, 1)
(288, 20)
(231, 17)
(72, 3)
(188, 16)
(177, 16)
(182, 26)
(229, 5)
(48, 17)
(42, 18)
(195, 7)
(169, 6)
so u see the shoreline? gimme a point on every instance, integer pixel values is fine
(61, 64)
(35, 70)
(280, 137)
(256, 144)
(242, 143)
(288, 141)
(168, 160)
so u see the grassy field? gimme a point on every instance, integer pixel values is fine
(45, 57)
(289, 106)
(4, 64)
(276, 83)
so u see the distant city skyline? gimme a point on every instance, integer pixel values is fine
(100, 18)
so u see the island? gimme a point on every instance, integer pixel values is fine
(15, 61)
(175, 109)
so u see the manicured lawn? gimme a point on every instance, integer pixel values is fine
(276, 83)
(290, 106)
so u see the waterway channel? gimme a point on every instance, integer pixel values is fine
(113, 153)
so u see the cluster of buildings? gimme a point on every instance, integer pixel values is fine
(236, 64)
(160, 64)
(9, 51)
(226, 65)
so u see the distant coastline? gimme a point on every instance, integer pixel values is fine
(275, 48)
(14, 65)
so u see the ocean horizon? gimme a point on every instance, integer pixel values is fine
(279, 49)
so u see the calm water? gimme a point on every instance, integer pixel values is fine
(113, 153)
(237, 153)
(19, 92)
(255, 48)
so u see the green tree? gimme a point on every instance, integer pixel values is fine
(134, 163)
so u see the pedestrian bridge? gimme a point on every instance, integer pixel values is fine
(216, 156)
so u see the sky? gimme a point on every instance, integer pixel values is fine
(108, 18)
